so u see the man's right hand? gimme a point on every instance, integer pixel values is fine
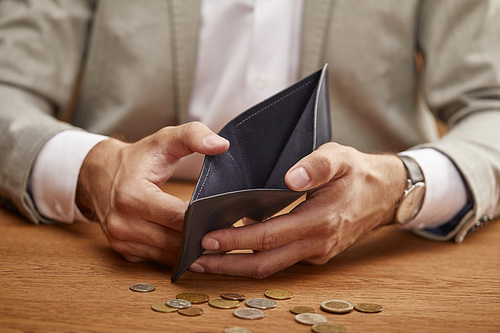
(119, 186)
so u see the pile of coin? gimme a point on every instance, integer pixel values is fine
(183, 304)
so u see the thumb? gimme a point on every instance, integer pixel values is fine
(315, 169)
(193, 137)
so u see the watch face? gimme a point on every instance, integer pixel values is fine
(411, 203)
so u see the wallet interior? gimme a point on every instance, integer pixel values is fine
(248, 179)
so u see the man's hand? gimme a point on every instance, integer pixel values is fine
(353, 194)
(119, 186)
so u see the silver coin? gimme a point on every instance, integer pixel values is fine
(178, 303)
(249, 313)
(142, 287)
(261, 303)
(337, 306)
(310, 318)
(237, 330)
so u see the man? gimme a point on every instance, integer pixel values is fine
(142, 67)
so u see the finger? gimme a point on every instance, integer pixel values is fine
(271, 234)
(249, 221)
(137, 252)
(327, 162)
(148, 202)
(254, 265)
(122, 230)
(134, 258)
(192, 137)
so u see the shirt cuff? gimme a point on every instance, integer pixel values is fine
(54, 176)
(446, 192)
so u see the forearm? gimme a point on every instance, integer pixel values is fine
(25, 126)
(472, 145)
(55, 173)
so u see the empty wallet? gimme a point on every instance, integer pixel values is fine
(248, 180)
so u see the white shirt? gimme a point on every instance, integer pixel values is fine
(239, 64)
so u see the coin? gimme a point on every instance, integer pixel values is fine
(178, 303)
(142, 287)
(278, 294)
(249, 313)
(310, 318)
(328, 328)
(233, 296)
(223, 303)
(301, 309)
(368, 307)
(192, 311)
(162, 307)
(237, 330)
(261, 303)
(337, 306)
(193, 298)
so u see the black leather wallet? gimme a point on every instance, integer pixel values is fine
(248, 179)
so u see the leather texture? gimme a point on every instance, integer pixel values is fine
(248, 179)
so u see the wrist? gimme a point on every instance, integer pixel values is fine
(396, 184)
(412, 198)
(95, 177)
(386, 176)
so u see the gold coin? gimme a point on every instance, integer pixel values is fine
(192, 311)
(337, 306)
(368, 307)
(278, 294)
(221, 303)
(194, 298)
(328, 328)
(301, 309)
(162, 307)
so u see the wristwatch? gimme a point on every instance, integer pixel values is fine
(411, 201)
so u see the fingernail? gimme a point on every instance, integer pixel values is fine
(197, 268)
(299, 177)
(210, 244)
(214, 140)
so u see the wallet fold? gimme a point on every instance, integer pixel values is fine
(248, 180)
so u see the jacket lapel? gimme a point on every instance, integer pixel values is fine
(314, 26)
(186, 20)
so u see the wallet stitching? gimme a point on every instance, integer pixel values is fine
(237, 167)
(208, 173)
(276, 102)
(204, 180)
(259, 111)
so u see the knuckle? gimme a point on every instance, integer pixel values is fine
(318, 261)
(329, 227)
(161, 136)
(119, 246)
(122, 200)
(323, 165)
(260, 272)
(321, 255)
(117, 230)
(191, 128)
(269, 241)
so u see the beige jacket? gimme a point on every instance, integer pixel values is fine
(136, 62)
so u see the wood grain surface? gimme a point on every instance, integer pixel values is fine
(65, 278)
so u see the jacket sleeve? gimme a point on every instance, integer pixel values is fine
(42, 45)
(460, 83)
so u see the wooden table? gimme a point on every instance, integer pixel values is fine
(65, 278)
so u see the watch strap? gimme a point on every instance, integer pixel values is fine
(414, 173)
